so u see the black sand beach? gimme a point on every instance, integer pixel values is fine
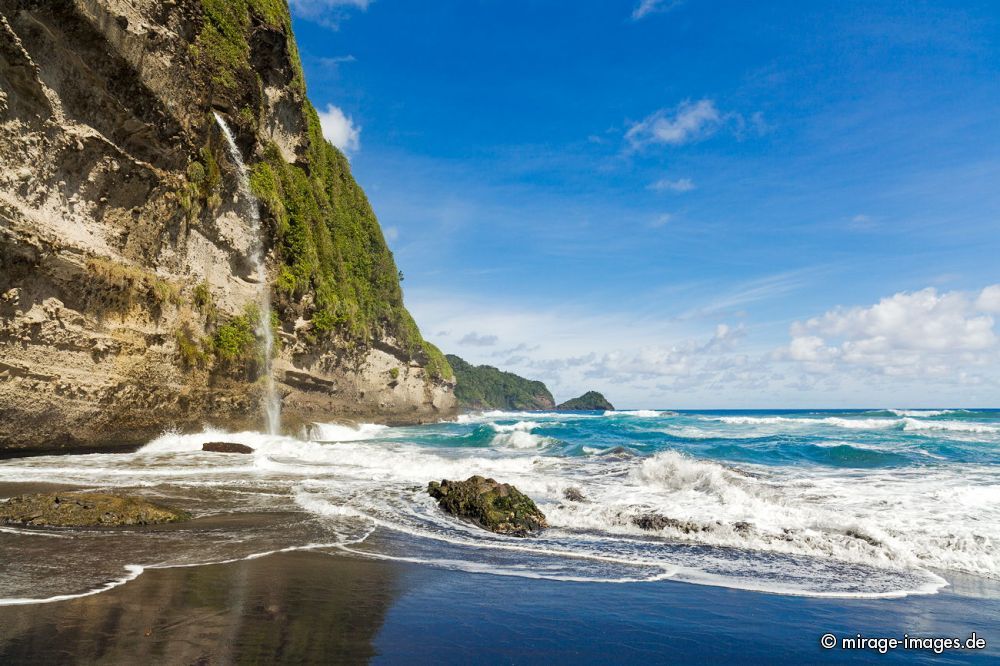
(311, 607)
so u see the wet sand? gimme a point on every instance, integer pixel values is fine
(311, 607)
(287, 608)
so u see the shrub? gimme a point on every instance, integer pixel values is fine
(437, 366)
(122, 286)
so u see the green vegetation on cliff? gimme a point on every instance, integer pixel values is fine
(486, 387)
(223, 42)
(331, 245)
(591, 400)
(335, 269)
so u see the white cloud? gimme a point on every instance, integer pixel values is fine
(808, 348)
(668, 185)
(646, 7)
(908, 334)
(326, 12)
(914, 348)
(391, 233)
(339, 129)
(634, 361)
(989, 299)
(686, 123)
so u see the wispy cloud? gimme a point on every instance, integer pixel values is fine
(688, 122)
(647, 7)
(329, 13)
(339, 129)
(668, 185)
(753, 291)
(863, 222)
(661, 220)
(474, 339)
(335, 61)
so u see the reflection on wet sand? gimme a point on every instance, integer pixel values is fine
(294, 607)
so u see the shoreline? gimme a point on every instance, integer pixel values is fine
(971, 584)
(316, 606)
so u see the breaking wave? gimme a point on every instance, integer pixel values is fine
(823, 504)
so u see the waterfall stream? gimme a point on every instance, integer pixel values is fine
(265, 334)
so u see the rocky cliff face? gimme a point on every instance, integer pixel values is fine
(126, 281)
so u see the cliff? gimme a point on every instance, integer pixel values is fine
(128, 289)
(589, 401)
(486, 387)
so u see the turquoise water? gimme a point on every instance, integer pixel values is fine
(849, 439)
(849, 504)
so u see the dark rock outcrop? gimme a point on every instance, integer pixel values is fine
(655, 522)
(85, 510)
(574, 495)
(226, 447)
(497, 507)
(589, 401)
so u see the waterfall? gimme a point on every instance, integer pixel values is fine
(265, 335)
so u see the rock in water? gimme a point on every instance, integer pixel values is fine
(657, 521)
(497, 507)
(591, 400)
(85, 510)
(226, 447)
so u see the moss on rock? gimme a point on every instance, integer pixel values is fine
(497, 507)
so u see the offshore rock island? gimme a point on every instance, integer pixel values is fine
(591, 400)
(128, 297)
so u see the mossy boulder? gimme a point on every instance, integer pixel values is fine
(497, 507)
(85, 510)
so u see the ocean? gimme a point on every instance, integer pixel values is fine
(860, 504)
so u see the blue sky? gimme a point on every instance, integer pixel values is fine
(684, 204)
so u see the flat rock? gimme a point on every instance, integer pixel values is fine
(85, 510)
(497, 507)
(226, 447)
